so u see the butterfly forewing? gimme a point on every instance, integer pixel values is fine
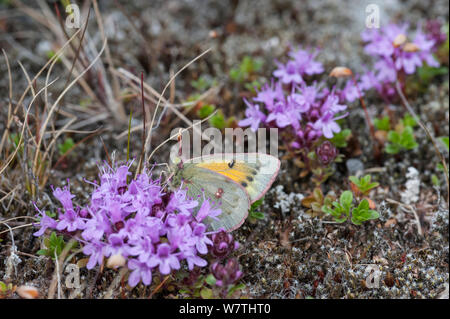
(255, 172)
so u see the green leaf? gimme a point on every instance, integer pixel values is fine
(340, 139)
(257, 215)
(383, 124)
(66, 146)
(364, 185)
(374, 214)
(257, 203)
(206, 293)
(435, 180)
(201, 84)
(408, 120)
(364, 205)
(210, 280)
(327, 210)
(235, 288)
(444, 141)
(354, 180)
(246, 68)
(206, 110)
(346, 199)
(42, 252)
(427, 73)
(218, 120)
(392, 148)
(394, 137)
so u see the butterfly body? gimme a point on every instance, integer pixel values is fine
(233, 181)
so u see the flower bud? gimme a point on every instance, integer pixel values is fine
(223, 244)
(326, 152)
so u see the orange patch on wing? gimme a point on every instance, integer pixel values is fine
(237, 173)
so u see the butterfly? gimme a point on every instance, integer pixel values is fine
(234, 181)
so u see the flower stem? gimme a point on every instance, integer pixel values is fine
(376, 150)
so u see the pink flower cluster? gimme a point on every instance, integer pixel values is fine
(396, 52)
(134, 218)
(308, 111)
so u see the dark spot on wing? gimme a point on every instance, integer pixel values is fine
(231, 164)
(244, 184)
(254, 172)
(219, 193)
(250, 179)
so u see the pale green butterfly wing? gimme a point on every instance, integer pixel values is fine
(230, 197)
(255, 172)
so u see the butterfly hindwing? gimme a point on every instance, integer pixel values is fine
(230, 197)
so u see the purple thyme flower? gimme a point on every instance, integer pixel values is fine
(165, 259)
(305, 62)
(350, 92)
(45, 222)
(306, 98)
(137, 220)
(268, 95)
(288, 73)
(141, 271)
(206, 210)
(284, 114)
(434, 32)
(64, 196)
(180, 202)
(426, 47)
(70, 221)
(116, 245)
(394, 52)
(253, 116)
(95, 251)
(328, 125)
(200, 239)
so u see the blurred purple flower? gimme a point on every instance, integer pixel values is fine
(305, 62)
(254, 116)
(327, 124)
(326, 152)
(226, 274)
(223, 244)
(137, 220)
(288, 73)
(70, 221)
(95, 251)
(140, 271)
(165, 259)
(45, 222)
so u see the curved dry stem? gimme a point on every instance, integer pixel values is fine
(149, 135)
(23, 128)
(416, 117)
(6, 132)
(178, 134)
(55, 104)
